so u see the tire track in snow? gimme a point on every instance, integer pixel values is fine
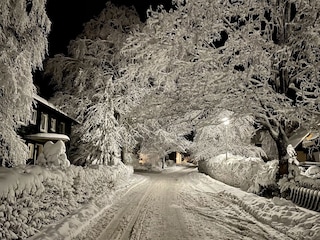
(120, 227)
(179, 205)
(161, 217)
(147, 211)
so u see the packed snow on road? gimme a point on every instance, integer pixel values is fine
(181, 203)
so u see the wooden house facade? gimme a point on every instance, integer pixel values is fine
(48, 123)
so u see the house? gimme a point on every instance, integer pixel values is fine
(48, 123)
(305, 143)
(175, 156)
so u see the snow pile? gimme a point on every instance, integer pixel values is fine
(265, 177)
(54, 154)
(283, 215)
(313, 172)
(300, 179)
(33, 196)
(249, 174)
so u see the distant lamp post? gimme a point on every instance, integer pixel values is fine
(226, 122)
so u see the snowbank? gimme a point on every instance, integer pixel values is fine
(281, 214)
(33, 197)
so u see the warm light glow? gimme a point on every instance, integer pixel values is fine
(178, 158)
(143, 158)
(226, 121)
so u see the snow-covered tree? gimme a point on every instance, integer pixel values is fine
(174, 62)
(89, 86)
(276, 68)
(24, 27)
(257, 58)
(229, 135)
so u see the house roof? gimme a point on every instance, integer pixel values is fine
(50, 105)
(298, 137)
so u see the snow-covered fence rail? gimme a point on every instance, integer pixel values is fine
(305, 197)
(302, 189)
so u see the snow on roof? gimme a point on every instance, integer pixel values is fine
(45, 102)
(48, 137)
(298, 137)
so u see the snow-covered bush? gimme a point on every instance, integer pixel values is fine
(54, 154)
(249, 174)
(306, 181)
(33, 196)
(313, 171)
(266, 177)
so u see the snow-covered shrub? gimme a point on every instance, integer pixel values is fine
(54, 154)
(307, 182)
(33, 196)
(313, 171)
(265, 177)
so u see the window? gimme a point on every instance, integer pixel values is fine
(62, 127)
(44, 123)
(31, 150)
(37, 150)
(53, 124)
(22, 123)
(33, 119)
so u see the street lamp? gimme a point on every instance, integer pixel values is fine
(226, 122)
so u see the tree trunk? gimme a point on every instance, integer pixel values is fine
(124, 155)
(282, 143)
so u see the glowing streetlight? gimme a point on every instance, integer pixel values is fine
(226, 122)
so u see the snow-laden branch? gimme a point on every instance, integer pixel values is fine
(23, 45)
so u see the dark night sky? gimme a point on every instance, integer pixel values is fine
(68, 16)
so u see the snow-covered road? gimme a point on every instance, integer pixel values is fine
(180, 203)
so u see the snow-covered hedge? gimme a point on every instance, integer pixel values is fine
(33, 196)
(249, 174)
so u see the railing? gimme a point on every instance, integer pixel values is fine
(305, 197)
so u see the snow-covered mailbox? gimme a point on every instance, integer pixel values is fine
(48, 123)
